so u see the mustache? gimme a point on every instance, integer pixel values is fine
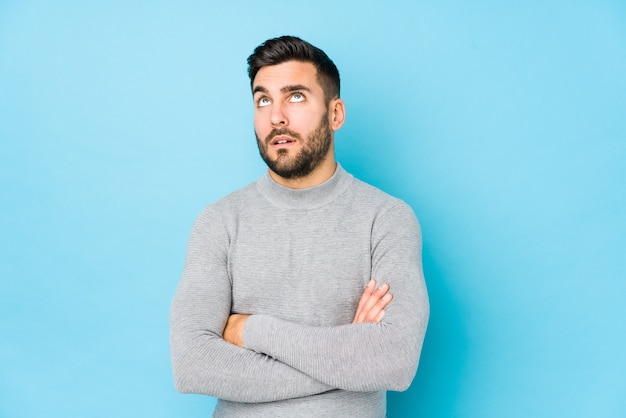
(281, 131)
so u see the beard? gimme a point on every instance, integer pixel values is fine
(313, 151)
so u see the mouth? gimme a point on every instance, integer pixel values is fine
(281, 140)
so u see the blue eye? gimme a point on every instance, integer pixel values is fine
(296, 97)
(263, 101)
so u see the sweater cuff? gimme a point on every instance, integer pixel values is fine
(256, 333)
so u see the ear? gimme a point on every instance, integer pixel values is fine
(337, 113)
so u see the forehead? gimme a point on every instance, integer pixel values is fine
(286, 74)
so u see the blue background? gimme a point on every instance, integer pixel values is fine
(503, 124)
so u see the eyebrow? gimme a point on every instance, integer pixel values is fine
(285, 89)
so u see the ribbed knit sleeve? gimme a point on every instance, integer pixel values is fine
(202, 361)
(367, 356)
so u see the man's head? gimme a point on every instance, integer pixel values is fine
(297, 109)
(290, 48)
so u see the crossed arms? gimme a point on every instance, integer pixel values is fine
(283, 359)
(371, 308)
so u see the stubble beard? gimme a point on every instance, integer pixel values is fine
(310, 156)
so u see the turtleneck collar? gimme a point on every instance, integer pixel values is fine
(309, 198)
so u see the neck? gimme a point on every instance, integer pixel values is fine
(318, 176)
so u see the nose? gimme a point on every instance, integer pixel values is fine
(277, 116)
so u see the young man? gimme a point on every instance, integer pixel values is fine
(277, 312)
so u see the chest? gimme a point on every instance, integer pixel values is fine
(305, 269)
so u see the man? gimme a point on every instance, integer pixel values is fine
(277, 313)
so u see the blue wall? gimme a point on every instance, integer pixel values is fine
(502, 124)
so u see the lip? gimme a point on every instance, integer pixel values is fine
(278, 140)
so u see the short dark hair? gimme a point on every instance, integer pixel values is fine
(287, 48)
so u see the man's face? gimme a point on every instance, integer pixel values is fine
(291, 119)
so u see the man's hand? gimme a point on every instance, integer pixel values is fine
(233, 333)
(372, 303)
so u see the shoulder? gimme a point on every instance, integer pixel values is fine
(236, 200)
(381, 201)
(387, 212)
(223, 210)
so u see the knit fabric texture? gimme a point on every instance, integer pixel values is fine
(298, 260)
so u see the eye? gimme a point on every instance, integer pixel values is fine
(296, 97)
(263, 101)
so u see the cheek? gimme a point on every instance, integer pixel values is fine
(261, 127)
(302, 123)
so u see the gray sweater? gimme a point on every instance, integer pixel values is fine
(298, 261)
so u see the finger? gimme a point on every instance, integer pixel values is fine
(380, 316)
(375, 298)
(367, 292)
(368, 298)
(376, 313)
(372, 300)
